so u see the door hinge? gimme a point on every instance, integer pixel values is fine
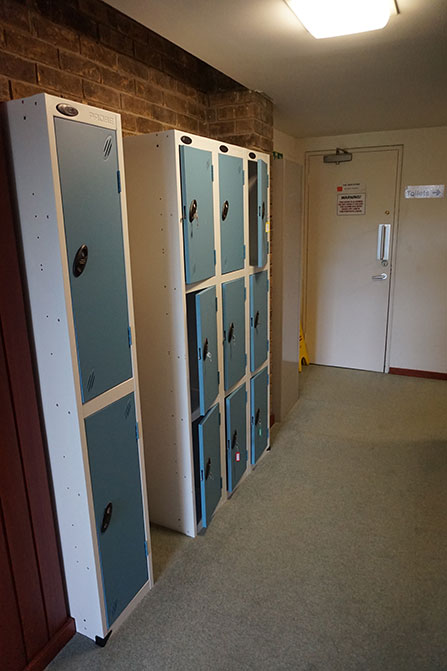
(218, 377)
(244, 253)
(245, 293)
(129, 335)
(118, 178)
(216, 304)
(212, 172)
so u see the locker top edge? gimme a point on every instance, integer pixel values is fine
(84, 113)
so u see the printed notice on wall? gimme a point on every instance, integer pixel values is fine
(352, 187)
(425, 191)
(349, 204)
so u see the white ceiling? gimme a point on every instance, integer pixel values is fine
(387, 79)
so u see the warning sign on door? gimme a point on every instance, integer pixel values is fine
(349, 204)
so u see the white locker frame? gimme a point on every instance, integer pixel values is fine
(35, 168)
(156, 238)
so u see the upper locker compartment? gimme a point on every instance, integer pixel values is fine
(258, 212)
(231, 193)
(197, 202)
(90, 190)
(258, 319)
(233, 307)
(202, 340)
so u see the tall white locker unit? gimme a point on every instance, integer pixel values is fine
(198, 226)
(69, 178)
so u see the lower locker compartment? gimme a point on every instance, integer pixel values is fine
(116, 485)
(259, 414)
(208, 476)
(236, 436)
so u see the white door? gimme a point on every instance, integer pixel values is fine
(350, 229)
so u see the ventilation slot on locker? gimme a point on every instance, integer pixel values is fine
(202, 347)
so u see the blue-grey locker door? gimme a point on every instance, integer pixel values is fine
(262, 212)
(259, 417)
(207, 347)
(236, 435)
(198, 223)
(209, 455)
(231, 192)
(233, 308)
(258, 319)
(88, 170)
(116, 486)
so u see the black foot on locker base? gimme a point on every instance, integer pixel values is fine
(102, 641)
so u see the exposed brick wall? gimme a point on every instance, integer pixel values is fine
(89, 52)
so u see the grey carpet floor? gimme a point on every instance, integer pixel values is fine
(332, 556)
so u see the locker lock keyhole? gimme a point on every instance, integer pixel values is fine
(208, 469)
(193, 211)
(225, 208)
(106, 517)
(231, 335)
(234, 440)
(80, 260)
(256, 321)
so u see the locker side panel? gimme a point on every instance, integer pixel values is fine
(231, 212)
(117, 498)
(88, 169)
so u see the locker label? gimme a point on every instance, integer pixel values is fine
(238, 456)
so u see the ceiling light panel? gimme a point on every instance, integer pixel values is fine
(332, 18)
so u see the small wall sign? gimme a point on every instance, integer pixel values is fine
(349, 204)
(425, 191)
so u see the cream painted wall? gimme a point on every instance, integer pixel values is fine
(418, 336)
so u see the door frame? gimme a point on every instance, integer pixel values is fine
(394, 241)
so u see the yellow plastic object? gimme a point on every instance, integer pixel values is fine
(303, 355)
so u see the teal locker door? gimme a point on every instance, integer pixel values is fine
(236, 434)
(115, 475)
(259, 417)
(209, 456)
(231, 192)
(262, 212)
(207, 347)
(198, 223)
(89, 180)
(258, 319)
(233, 306)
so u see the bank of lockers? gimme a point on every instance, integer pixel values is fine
(198, 224)
(68, 174)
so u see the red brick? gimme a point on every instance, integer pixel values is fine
(101, 94)
(164, 115)
(4, 89)
(58, 36)
(146, 54)
(22, 90)
(136, 106)
(97, 52)
(246, 126)
(148, 125)
(133, 67)
(211, 114)
(30, 47)
(222, 128)
(97, 10)
(117, 80)
(14, 14)
(176, 103)
(126, 25)
(161, 79)
(187, 123)
(115, 40)
(193, 108)
(186, 90)
(17, 68)
(59, 81)
(128, 122)
(78, 65)
(149, 92)
(224, 113)
(64, 13)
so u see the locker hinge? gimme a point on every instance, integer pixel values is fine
(243, 177)
(214, 257)
(246, 396)
(137, 431)
(184, 212)
(201, 475)
(219, 418)
(129, 335)
(118, 177)
(212, 172)
(199, 354)
(146, 549)
(218, 377)
(228, 445)
(216, 303)
(268, 379)
(221, 483)
(268, 433)
(268, 345)
(246, 455)
(244, 253)
(245, 360)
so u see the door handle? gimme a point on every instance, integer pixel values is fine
(382, 276)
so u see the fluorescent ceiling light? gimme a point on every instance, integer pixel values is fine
(331, 18)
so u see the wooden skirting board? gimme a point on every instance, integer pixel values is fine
(418, 373)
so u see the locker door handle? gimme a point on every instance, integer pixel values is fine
(231, 335)
(106, 517)
(80, 260)
(234, 440)
(193, 211)
(225, 208)
(257, 416)
(208, 469)
(256, 320)
(205, 349)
